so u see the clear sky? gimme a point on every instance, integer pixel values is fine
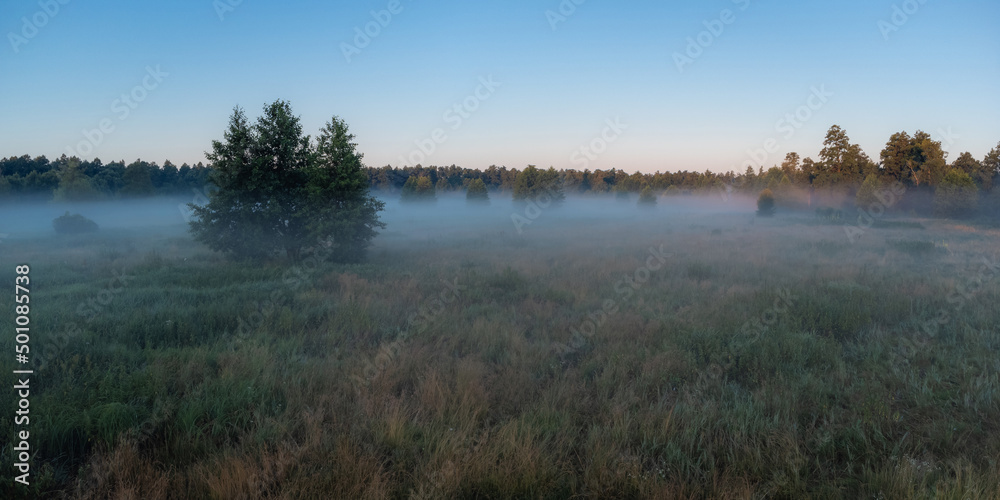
(556, 73)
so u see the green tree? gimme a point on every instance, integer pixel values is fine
(841, 161)
(74, 185)
(477, 193)
(971, 166)
(340, 206)
(991, 165)
(5, 187)
(956, 196)
(277, 194)
(418, 189)
(137, 179)
(533, 184)
(765, 203)
(928, 159)
(646, 197)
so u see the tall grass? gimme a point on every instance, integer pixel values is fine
(842, 394)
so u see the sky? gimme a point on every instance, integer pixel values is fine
(640, 85)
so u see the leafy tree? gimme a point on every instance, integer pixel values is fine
(276, 193)
(841, 161)
(956, 196)
(646, 197)
(971, 166)
(419, 189)
(74, 185)
(477, 193)
(897, 157)
(929, 159)
(533, 184)
(765, 203)
(340, 206)
(991, 165)
(137, 179)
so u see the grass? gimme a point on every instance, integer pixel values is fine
(205, 378)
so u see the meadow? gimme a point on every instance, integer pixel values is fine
(689, 351)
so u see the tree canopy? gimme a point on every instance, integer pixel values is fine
(277, 192)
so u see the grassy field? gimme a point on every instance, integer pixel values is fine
(682, 353)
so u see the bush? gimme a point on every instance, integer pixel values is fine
(74, 224)
(765, 203)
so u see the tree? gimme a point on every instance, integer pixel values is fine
(928, 159)
(956, 196)
(340, 204)
(646, 197)
(418, 189)
(991, 165)
(477, 193)
(971, 166)
(276, 193)
(765, 203)
(137, 179)
(841, 161)
(532, 184)
(73, 184)
(897, 158)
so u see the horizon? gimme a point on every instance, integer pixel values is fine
(647, 88)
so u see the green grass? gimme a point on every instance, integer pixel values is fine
(838, 392)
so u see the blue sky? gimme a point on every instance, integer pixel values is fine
(557, 81)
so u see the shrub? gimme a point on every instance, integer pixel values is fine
(765, 203)
(74, 224)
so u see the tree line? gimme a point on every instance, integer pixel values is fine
(917, 161)
(72, 179)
